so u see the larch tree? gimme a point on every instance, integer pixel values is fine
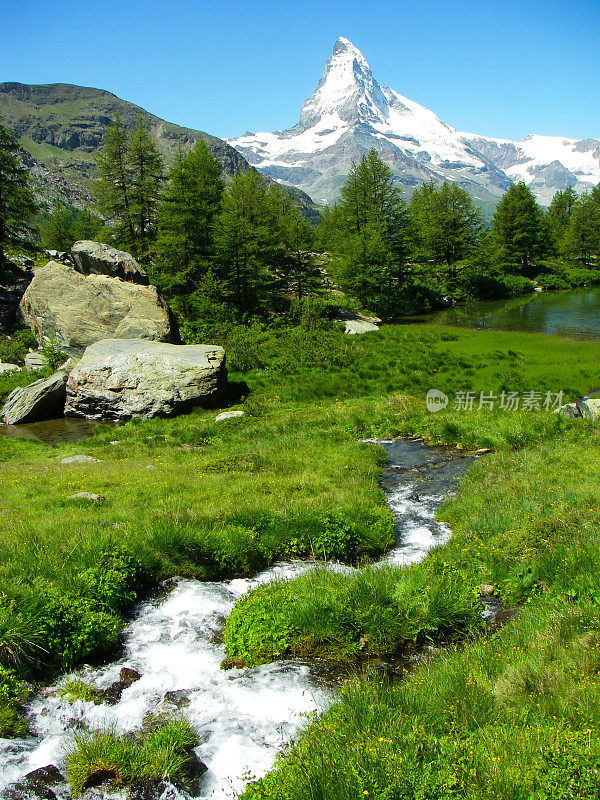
(17, 205)
(187, 217)
(113, 187)
(146, 170)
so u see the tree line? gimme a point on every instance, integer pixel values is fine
(232, 252)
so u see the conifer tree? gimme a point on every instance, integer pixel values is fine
(372, 235)
(113, 186)
(248, 241)
(146, 170)
(582, 239)
(296, 265)
(446, 222)
(186, 219)
(16, 199)
(517, 227)
(559, 215)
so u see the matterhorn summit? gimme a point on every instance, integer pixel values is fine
(349, 113)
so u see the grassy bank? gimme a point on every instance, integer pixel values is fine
(514, 715)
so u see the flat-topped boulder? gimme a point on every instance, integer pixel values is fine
(75, 311)
(118, 379)
(95, 258)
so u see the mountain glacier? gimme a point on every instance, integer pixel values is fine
(349, 113)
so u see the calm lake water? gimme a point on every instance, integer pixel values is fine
(575, 314)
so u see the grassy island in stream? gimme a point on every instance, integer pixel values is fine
(190, 496)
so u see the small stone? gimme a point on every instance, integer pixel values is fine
(483, 450)
(150, 466)
(228, 415)
(35, 360)
(82, 459)
(115, 441)
(6, 368)
(186, 446)
(127, 676)
(93, 498)
(486, 590)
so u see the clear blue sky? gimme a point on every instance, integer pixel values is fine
(496, 67)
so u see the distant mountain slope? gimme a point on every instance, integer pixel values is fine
(349, 113)
(61, 127)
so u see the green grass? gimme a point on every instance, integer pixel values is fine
(75, 688)
(102, 755)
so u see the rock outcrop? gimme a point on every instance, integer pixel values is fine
(94, 258)
(118, 379)
(43, 399)
(75, 310)
(357, 323)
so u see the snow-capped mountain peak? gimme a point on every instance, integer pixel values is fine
(349, 113)
(347, 88)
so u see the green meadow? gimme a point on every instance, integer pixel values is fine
(292, 479)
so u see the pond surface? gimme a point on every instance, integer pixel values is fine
(52, 431)
(575, 314)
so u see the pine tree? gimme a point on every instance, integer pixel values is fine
(559, 215)
(517, 227)
(57, 232)
(16, 199)
(146, 169)
(248, 241)
(186, 219)
(582, 239)
(296, 265)
(114, 185)
(372, 235)
(447, 224)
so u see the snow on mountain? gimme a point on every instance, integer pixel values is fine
(545, 163)
(349, 113)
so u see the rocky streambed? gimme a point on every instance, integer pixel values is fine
(243, 716)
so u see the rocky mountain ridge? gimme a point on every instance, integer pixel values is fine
(61, 127)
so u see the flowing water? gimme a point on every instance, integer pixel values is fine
(243, 716)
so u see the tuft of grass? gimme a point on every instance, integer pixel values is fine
(372, 612)
(75, 688)
(165, 753)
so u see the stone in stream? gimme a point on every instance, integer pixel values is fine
(94, 258)
(357, 323)
(75, 310)
(35, 785)
(118, 379)
(127, 677)
(42, 399)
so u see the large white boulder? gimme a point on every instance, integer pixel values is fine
(118, 379)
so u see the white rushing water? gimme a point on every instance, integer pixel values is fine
(243, 716)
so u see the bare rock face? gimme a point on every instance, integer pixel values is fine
(75, 310)
(94, 258)
(118, 379)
